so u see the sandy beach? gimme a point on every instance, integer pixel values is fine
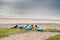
(10, 22)
(32, 21)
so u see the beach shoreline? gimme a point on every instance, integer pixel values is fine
(11, 22)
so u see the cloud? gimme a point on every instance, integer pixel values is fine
(30, 8)
(15, 0)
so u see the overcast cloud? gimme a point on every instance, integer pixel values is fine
(48, 9)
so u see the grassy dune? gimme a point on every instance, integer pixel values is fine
(57, 37)
(51, 30)
(8, 31)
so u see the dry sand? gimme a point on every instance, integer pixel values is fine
(31, 36)
(44, 25)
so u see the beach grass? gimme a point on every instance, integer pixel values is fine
(33, 29)
(57, 37)
(51, 30)
(8, 31)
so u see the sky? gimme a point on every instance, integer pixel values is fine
(34, 9)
